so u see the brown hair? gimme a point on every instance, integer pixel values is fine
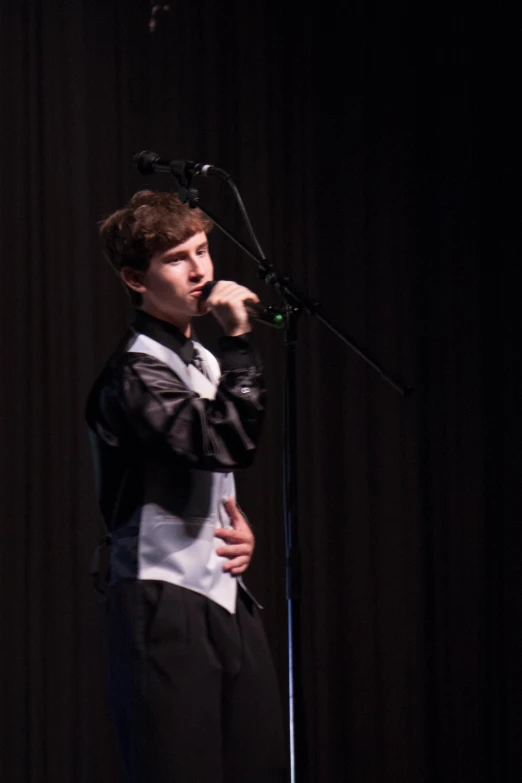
(150, 223)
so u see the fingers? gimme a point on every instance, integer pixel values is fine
(232, 510)
(240, 535)
(238, 557)
(240, 561)
(233, 551)
(227, 303)
(231, 536)
(239, 540)
(237, 519)
(238, 568)
(226, 291)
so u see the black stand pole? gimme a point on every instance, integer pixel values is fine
(295, 302)
(298, 745)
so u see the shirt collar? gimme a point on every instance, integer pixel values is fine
(165, 333)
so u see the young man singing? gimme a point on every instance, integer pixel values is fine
(192, 684)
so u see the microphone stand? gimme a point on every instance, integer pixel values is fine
(295, 302)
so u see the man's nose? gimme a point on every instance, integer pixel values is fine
(196, 266)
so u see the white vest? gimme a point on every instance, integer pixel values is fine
(178, 550)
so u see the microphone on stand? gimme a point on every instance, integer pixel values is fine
(265, 314)
(148, 162)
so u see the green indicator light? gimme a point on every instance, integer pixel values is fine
(278, 319)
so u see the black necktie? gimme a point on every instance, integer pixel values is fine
(200, 364)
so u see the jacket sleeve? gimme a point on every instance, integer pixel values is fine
(148, 404)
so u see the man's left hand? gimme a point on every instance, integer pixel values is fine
(239, 540)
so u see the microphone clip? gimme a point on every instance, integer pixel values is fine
(184, 171)
(188, 195)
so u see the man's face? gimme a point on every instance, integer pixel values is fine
(171, 286)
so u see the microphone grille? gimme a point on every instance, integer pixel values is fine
(207, 288)
(144, 160)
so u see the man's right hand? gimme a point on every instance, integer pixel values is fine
(239, 540)
(226, 302)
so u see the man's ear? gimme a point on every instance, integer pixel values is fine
(133, 278)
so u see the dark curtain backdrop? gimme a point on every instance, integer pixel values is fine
(374, 145)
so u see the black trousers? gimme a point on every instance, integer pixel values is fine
(193, 688)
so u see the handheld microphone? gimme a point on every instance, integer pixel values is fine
(265, 314)
(148, 162)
